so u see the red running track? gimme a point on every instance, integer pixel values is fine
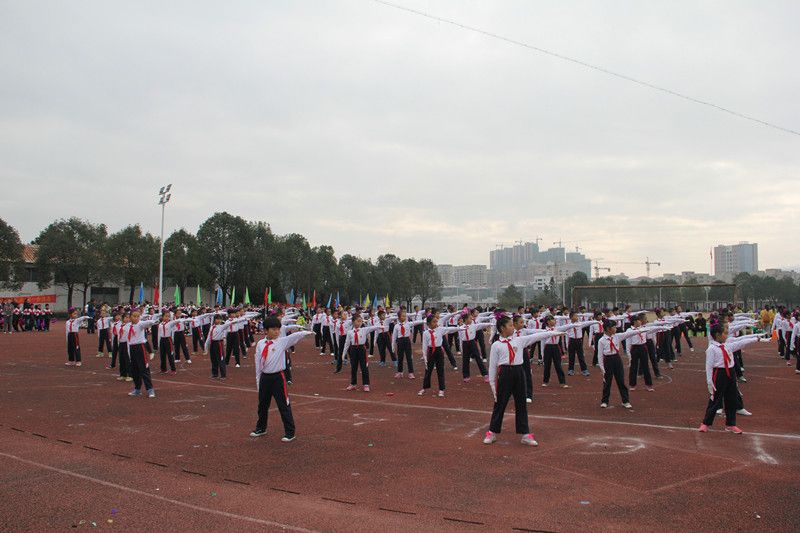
(76, 450)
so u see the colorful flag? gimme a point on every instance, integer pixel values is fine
(177, 295)
(305, 307)
(269, 297)
(314, 300)
(375, 301)
(266, 297)
(199, 301)
(337, 299)
(366, 302)
(233, 296)
(156, 296)
(219, 295)
(141, 292)
(247, 296)
(330, 297)
(388, 304)
(291, 297)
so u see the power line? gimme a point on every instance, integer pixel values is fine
(587, 65)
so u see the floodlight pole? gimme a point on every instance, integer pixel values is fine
(164, 198)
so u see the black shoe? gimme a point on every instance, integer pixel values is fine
(258, 432)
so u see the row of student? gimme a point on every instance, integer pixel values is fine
(17, 319)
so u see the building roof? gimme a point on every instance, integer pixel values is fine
(29, 252)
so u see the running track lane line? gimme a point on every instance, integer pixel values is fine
(790, 436)
(158, 497)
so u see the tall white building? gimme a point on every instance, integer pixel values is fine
(742, 257)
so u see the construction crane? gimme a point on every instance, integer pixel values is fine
(598, 268)
(537, 240)
(647, 263)
(561, 243)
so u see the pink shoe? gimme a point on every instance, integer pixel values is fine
(411, 376)
(421, 392)
(467, 380)
(351, 387)
(69, 363)
(398, 375)
(703, 428)
(734, 429)
(486, 379)
(78, 363)
(366, 388)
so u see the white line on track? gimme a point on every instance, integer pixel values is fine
(762, 456)
(791, 436)
(225, 514)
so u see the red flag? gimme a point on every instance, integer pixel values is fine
(156, 301)
(314, 300)
(266, 297)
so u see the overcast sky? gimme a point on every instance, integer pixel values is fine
(375, 130)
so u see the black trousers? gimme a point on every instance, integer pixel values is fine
(449, 352)
(738, 363)
(510, 381)
(597, 337)
(358, 358)
(90, 325)
(165, 351)
(232, 345)
(317, 335)
(125, 369)
(140, 367)
(288, 371)
(274, 386)
(454, 339)
(372, 343)
(339, 349)
(404, 354)
(614, 371)
(103, 339)
(218, 364)
(787, 346)
(534, 347)
(552, 356)
(726, 393)
(417, 331)
(664, 347)
(435, 359)
(385, 345)
(240, 335)
(481, 342)
(684, 330)
(651, 354)
(197, 340)
(526, 370)
(575, 347)
(469, 350)
(326, 340)
(179, 340)
(206, 329)
(114, 352)
(73, 348)
(639, 359)
(676, 336)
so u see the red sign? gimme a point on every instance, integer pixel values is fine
(40, 299)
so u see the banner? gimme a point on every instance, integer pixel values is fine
(39, 299)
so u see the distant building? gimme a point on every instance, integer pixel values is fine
(446, 274)
(470, 275)
(742, 257)
(522, 263)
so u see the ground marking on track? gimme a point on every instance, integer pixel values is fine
(611, 445)
(791, 436)
(762, 456)
(697, 478)
(179, 503)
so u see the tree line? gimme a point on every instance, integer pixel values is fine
(227, 251)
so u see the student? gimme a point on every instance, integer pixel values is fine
(115, 324)
(326, 323)
(611, 363)
(165, 347)
(596, 333)
(432, 353)
(354, 346)
(316, 327)
(552, 349)
(468, 338)
(638, 353)
(382, 337)
(518, 321)
(103, 323)
(720, 378)
(215, 339)
(575, 344)
(182, 323)
(125, 370)
(140, 363)
(270, 363)
(401, 343)
(72, 327)
(341, 326)
(506, 379)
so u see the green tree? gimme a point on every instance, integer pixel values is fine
(426, 282)
(11, 271)
(184, 263)
(226, 241)
(510, 298)
(70, 255)
(132, 257)
(577, 278)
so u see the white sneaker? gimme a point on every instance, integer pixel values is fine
(529, 440)
(743, 412)
(719, 411)
(441, 394)
(603, 405)
(627, 406)
(489, 438)
(238, 366)
(421, 392)
(528, 400)
(188, 361)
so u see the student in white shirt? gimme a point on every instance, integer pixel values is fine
(401, 343)
(433, 353)
(506, 379)
(270, 363)
(354, 346)
(140, 362)
(103, 324)
(610, 361)
(72, 327)
(721, 377)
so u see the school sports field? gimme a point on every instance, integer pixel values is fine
(77, 452)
